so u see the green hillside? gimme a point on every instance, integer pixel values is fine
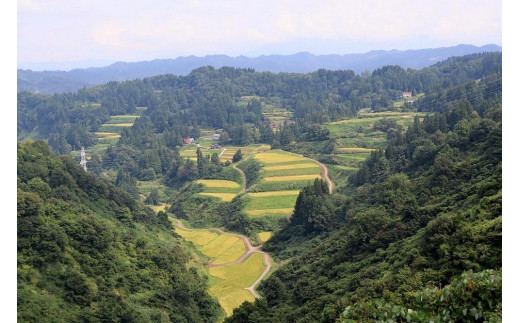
(89, 252)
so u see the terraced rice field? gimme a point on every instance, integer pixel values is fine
(230, 290)
(117, 123)
(222, 247)
(284, 174)
(357, 138)
(225, 190)
(228, 282)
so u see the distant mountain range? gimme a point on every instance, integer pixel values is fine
(61, 81)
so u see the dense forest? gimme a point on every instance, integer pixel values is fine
(89, 252)
(414, 234)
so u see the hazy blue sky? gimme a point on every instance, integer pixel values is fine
(79, 33)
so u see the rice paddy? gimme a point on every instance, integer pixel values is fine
(283, 175)
(230, 290)
(275, 156)
(282, 211)
(226, 197)
(225, 190)
(223, 247)
(218, 183)
(292, 178)
(228, 282)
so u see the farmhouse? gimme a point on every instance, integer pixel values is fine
(216, 136)
(188, 141)
(407, 94)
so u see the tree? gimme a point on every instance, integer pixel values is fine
(215, 159)
(237, 156)
(153, 197)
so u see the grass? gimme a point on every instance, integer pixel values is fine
(272, 202)
(283, 211)
(218, 183)
(292, 178)
(230, 291)
(158, 208)
(145, 187)
(265, 235)
(294, 171)
(356, 150)
(276, 193)
(121, 119)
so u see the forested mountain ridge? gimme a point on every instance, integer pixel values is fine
(59, 81)
(87, 251)
(208, 98)
(426, 213)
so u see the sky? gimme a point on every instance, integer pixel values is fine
(84, 33)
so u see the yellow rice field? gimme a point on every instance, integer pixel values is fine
(292, 166)
(218, 183)
(274, 193)
(198, 237)
(108, 135)
(127, 124)
(292, 178)
(230, 291)
(264, 236)
(226, 197)
(273, 157)
(223, 247)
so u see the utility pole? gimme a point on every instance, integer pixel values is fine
(83, 161)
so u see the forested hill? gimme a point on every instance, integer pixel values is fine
(419, 240)
(88, 252)
(209, 97)
(61, 81)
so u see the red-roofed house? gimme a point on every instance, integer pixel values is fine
(407, 94)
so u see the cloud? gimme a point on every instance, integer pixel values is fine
(134, 30)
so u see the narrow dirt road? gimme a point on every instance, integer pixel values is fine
(250, 250)
(243, 178)
(324, 170)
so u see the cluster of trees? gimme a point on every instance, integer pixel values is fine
(81, 256)
(425, 210)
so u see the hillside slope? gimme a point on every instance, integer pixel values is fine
(426, 210)
(89, 252)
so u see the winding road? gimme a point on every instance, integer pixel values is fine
(250, 250)
(243, 178)
(324, 170)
